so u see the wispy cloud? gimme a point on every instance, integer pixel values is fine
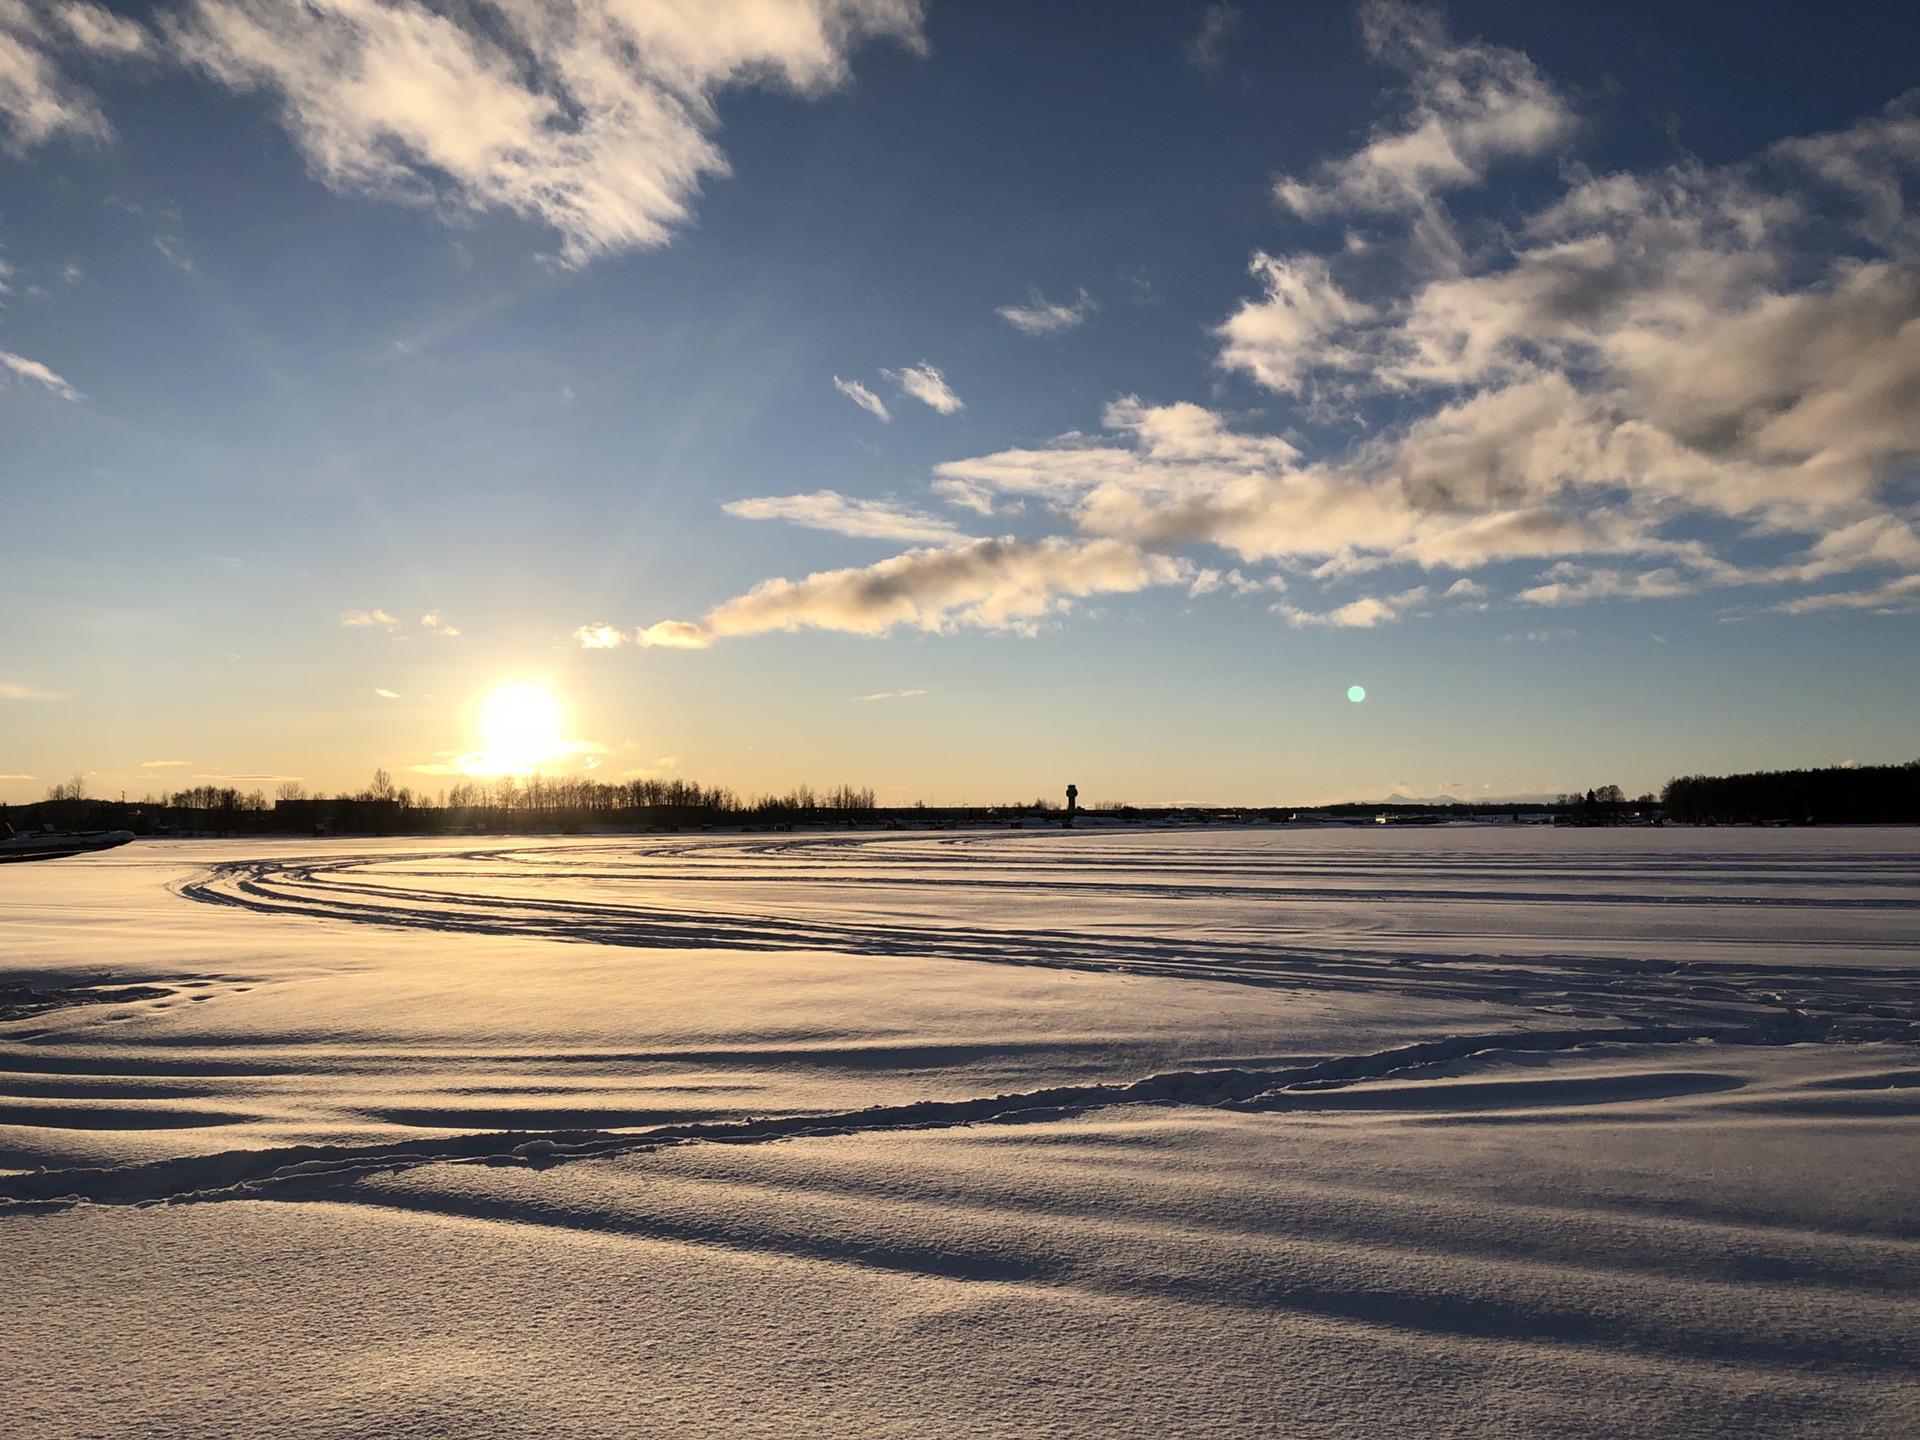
(1469, 106)
(863, 397)
(893, 695)
(433, 620)
(29, 692)
(985, 584)
(369, 620)
(1575, 585)
(665, 765)
(1361, 614)
(593, 117)
(1219, 23)
(928, 386)
(101, 31)
(1040, 316)
(1896, 595)
(385, 694)
(1282, 337)
(33, 370)
(38, 100)
(843, 515)
(163, 764)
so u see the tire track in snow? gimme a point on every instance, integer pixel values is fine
(1881, 1002)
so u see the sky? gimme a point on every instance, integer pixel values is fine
(957, 399)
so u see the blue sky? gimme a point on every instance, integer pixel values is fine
(959, 399)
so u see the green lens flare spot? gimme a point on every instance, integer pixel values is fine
(1356, 693)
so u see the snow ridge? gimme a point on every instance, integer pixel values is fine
(302, 1172)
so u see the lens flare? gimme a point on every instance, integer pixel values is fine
(1356, 693)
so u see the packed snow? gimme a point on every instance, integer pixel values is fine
(1203, 1131)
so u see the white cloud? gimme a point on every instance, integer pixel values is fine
(893, 695)
(433, 621)
(863, 397)
(928, 386)
(1361, 614)
(369, 620)
(29, 692)
(385, 694)
(33, 370)
(599, 636)
(163, 764)
(1282, 335)
(864, 519)
(1574, 585)
(37, 100)
(594, 117)
(1040, 316)
(1902, 594)
(674, 635)
(1464, 589)
(1471, 105)
(985, 584)
(101, 31)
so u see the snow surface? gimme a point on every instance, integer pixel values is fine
(1457, 1131)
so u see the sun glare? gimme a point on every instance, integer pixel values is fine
(522, 727)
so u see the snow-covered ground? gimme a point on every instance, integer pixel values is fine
(1209, 1132)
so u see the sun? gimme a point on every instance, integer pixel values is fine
(523, 728)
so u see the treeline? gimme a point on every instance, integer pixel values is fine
(535, 803)
(539, 795)
(1840, 795)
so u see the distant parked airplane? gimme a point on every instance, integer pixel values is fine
(44, 844)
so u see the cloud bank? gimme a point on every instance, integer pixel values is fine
(1691, 369)
(1650, 385)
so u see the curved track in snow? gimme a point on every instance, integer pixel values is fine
(1798, 943)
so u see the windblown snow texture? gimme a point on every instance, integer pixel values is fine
(1474, 1132)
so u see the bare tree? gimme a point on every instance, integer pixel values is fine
(74, 789)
